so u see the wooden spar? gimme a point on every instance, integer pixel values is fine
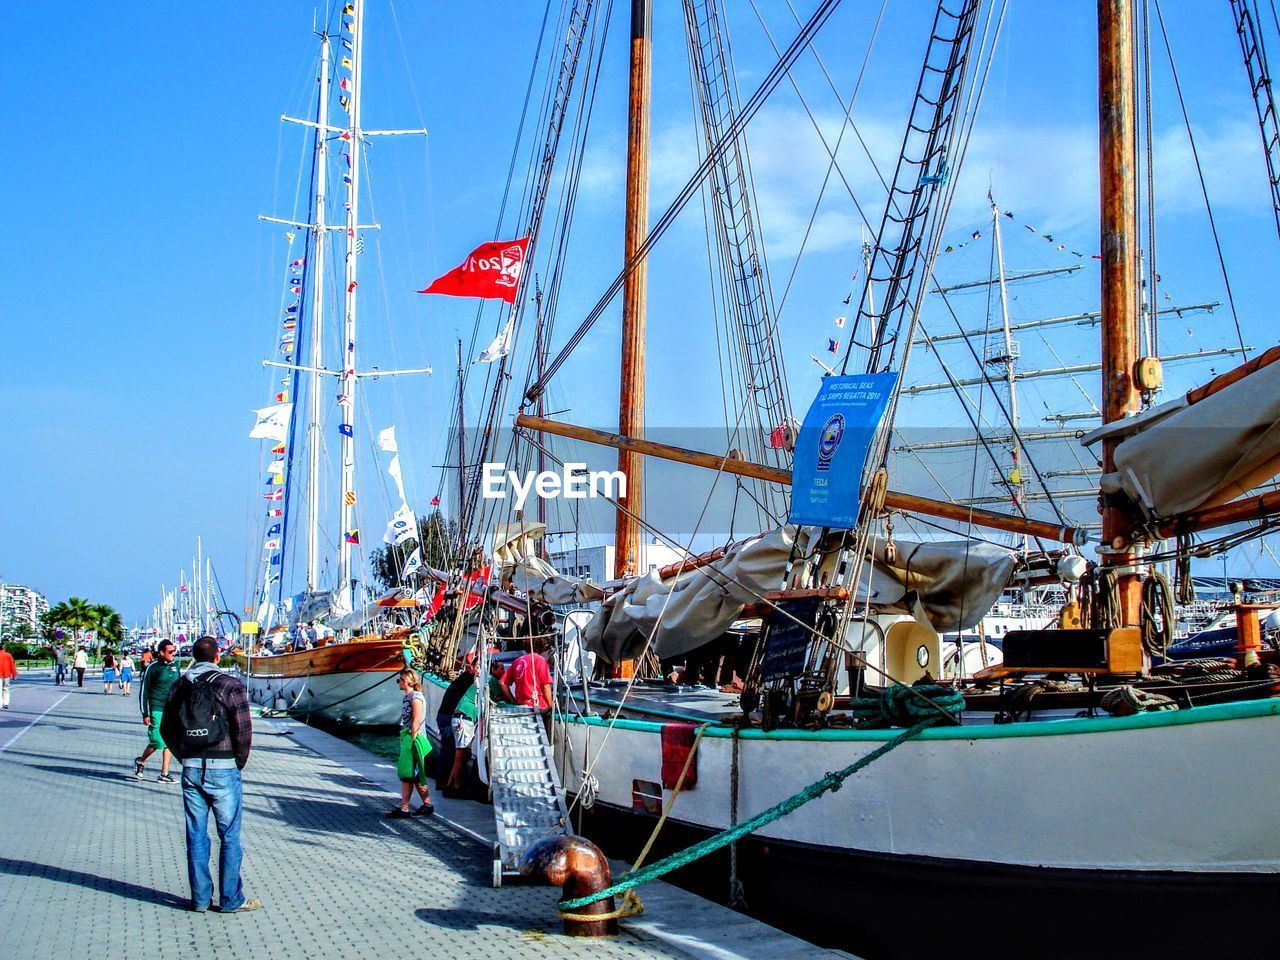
(1237, 511)
(1224, 380)
(626, 561)
(1119, 326)
(758, 471)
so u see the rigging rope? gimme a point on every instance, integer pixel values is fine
(1204, 190)
(749, 110)
(831, 782)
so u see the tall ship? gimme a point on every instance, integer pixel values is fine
(319, 647)
(793, 678)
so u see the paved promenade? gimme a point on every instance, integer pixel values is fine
(92, 861)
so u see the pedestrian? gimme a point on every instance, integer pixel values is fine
(527, 682)
(148, 655)
(126, 674)
(81, 663)
(206, 721)
(444, 723)
(8, 673)
(414, 747)
(108, 671)
(463, 724)
(156, 684)
(60, 667)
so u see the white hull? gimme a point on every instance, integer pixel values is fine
(1073, 794)
(359, 698)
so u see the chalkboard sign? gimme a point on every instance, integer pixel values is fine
(788, 642)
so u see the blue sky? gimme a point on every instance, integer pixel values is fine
(142, 291)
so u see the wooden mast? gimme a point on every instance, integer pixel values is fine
(626, 560)
(1118, 176)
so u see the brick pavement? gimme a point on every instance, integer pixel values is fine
(92, 861)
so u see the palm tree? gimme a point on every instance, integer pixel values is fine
(110, 626)
(81, 616)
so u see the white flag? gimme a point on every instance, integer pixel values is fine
(403, 526)
(277, 467)
(500, 347)
(393, 468)
(387, 440)
(272, 544)
(413, 564)
(839, 321)
(272, 423)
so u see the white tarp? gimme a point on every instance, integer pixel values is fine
(694, 610)
(955, 582)
(515, 555)
(1207, 453)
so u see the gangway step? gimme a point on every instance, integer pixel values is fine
(528, 800)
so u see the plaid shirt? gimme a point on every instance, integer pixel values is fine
(235, 708)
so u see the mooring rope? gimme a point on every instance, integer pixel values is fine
(831, 782)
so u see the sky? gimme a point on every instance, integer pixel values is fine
(143, 293)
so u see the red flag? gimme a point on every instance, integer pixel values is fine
(492, 271)
(435, 501)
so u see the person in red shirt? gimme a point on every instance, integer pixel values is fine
(8, 673)
(527, 681)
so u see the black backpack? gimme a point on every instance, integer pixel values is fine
(201, 723)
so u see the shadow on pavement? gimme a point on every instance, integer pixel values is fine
(121, 888)
(451, 918)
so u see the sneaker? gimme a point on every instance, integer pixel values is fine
(398, 814)
(165, 778)
(137, 767)
(200, 909)
(253, 903)
(425, 810)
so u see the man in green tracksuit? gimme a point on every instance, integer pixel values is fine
(156, 684)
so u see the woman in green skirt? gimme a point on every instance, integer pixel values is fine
(414, 747)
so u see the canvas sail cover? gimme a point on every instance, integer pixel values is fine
(698, 607)
(1206, 453)
(515, 555)
(955, 582)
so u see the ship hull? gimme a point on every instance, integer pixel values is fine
(350, 684)
(886, 907)
(1045, 839)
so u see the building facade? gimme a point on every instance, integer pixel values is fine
(596, 563)
(20, 606)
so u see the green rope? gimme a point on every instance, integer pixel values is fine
(901, 706)
(832, 781)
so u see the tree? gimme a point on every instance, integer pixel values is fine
(81, 616)
(436, 536)
(76, 615)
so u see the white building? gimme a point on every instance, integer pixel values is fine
(596, 563)
(20, 605)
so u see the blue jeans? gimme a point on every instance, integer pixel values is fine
(219, 790)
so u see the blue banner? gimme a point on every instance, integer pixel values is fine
(826, 475)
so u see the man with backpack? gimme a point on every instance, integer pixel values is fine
(206, 725)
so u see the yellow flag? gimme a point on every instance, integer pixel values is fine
(288, 236)
(350, 498)
(1015, 476)
(345, 62)
(349, 10)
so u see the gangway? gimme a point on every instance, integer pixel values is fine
(528, 800)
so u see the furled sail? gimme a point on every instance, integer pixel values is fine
(955, 582)
(515, 554)
(1191, 453)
